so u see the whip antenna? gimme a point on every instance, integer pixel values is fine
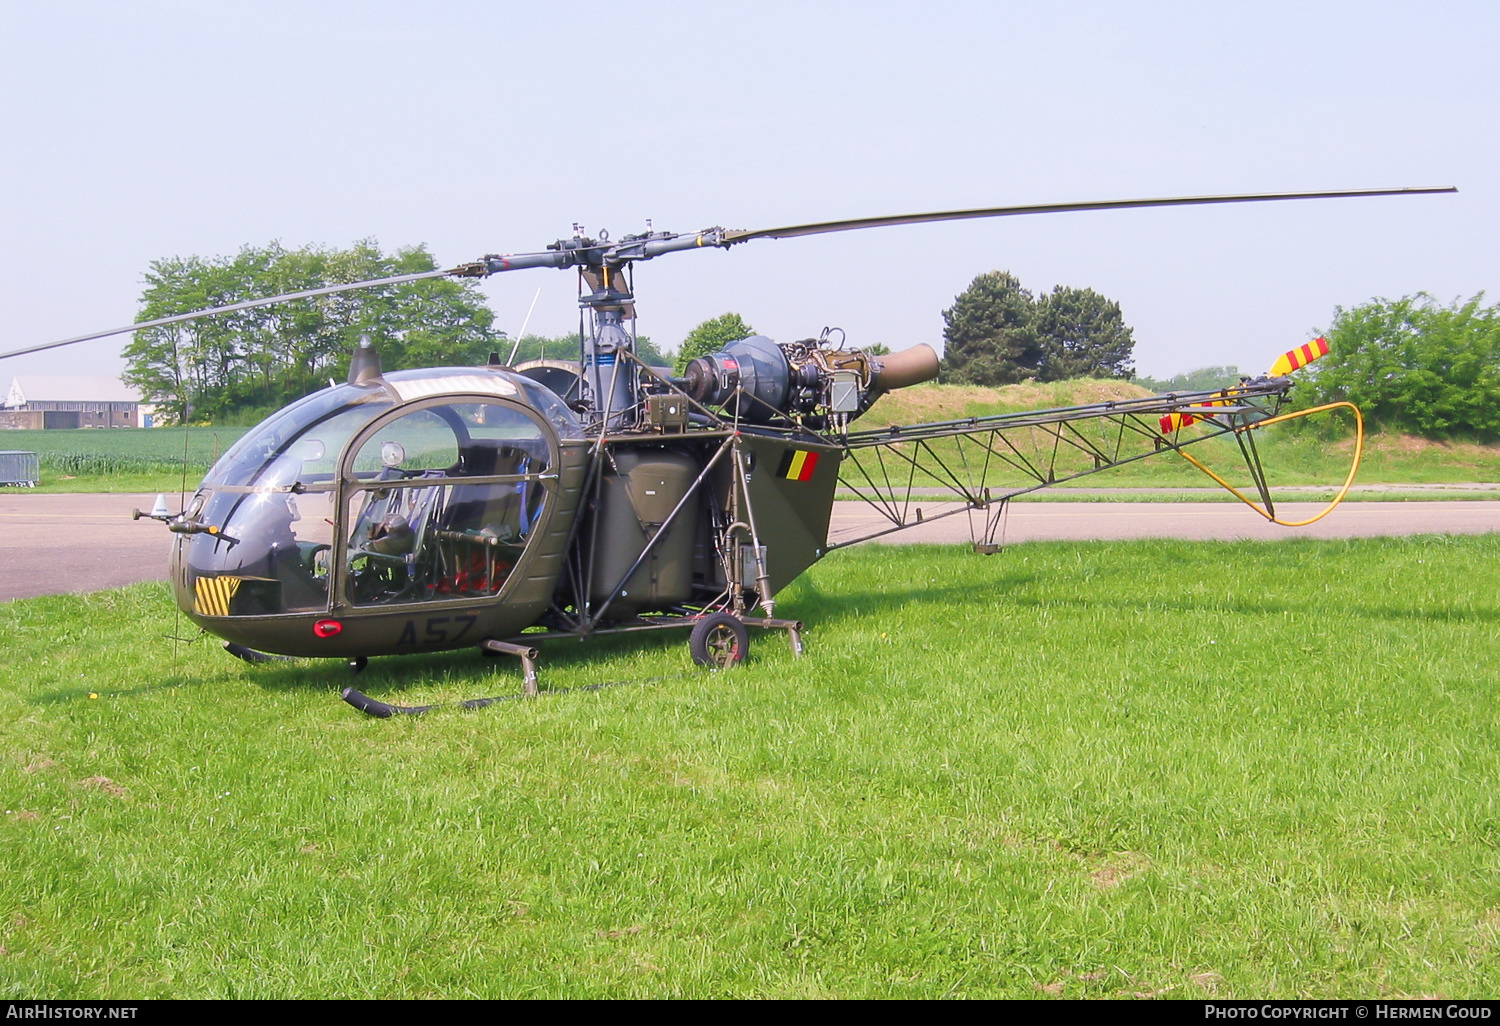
(522, 334)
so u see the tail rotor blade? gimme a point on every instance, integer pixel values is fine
(1298, 358)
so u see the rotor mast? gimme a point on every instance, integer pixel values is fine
(609, 373)
(610, 376)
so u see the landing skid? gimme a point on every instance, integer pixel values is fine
(717, 635)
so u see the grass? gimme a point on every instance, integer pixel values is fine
(1292, 456)
(1107, 770)
(1368, 493)
(151, 460)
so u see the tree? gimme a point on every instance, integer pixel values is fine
(996, 333)
(243, 365)
(711, 336)
(1413, 364)
(1083, 336)
(565, 347)
(989, 333)
(650, 354)
(1200, 379)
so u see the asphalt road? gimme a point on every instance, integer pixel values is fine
(55, 544)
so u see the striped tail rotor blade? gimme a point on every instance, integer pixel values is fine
(1217, 399)
(1299, 358)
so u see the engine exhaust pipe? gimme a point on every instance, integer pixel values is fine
(908, 367)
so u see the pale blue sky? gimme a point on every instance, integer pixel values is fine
(133, 131)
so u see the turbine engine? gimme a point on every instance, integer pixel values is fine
(762, 380)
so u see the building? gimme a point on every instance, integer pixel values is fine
(61, 401)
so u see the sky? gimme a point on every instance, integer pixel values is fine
(135, 131)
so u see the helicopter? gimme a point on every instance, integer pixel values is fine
(499, 507)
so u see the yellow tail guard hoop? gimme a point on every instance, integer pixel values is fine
(1359, 448)
(1298, 358)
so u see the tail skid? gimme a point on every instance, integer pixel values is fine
(1267, 508)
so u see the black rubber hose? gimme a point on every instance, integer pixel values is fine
(365, 704)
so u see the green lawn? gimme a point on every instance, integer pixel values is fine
(1105, 770)
(1315, 451)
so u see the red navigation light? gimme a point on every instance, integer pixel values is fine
(327, 628)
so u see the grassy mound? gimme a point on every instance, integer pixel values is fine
(951, 402)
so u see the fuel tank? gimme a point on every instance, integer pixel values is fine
(639, 489)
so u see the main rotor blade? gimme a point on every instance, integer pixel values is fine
(793, 231)
(716, 237)
(231, 308)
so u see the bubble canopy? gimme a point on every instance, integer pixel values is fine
(425, 486)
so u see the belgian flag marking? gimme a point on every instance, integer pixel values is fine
(211, 595)
(797, 465)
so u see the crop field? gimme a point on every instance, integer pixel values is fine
(124, 459)
(1149, 769)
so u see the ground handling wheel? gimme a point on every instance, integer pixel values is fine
(719, 641)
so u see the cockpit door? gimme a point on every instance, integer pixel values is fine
(440, 501)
